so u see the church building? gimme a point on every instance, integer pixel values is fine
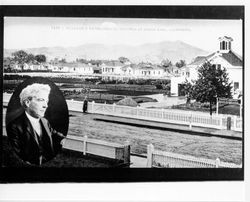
(225, 57)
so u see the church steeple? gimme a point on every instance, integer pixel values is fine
(225, 44)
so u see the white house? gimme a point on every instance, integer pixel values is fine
(73, 67)
(85, 69)
(113, 67)
(35, 66)
(224, 58)
(152, 71)
(129, 70)
(54, 67)
(143, 70)
(28, 66)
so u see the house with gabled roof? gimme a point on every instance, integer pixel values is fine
(129, 70)
(225, 57)
(112, 67)
(35, 66)
(143, 70)
(150, 70)
(73, 67)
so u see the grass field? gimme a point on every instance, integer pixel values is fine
(139, 137)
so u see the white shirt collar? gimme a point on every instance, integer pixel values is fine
(31, 118)
(35, 123)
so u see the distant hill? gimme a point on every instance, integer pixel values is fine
(150, 52)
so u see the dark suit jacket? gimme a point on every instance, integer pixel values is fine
(25, 142)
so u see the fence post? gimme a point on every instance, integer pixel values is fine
(114, 107)
(92, 104)
(234, 124)
(85, 138)
(190, 121)
(229, 122)
(217, 106)
(137, 109)
(221, 121)
(127, 152)
(217, 163)
(150, 150)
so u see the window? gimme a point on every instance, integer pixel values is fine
(223, 45)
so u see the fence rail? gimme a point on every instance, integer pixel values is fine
(162, 159)
(168, 116)
(161, 115)
(98, 148)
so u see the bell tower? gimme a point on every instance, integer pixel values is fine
(225, 44)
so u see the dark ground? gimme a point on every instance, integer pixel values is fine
(65, 158)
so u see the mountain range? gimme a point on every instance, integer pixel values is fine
(148, 52)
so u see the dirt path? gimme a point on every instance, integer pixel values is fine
(139, 138)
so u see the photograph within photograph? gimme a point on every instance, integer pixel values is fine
(127, 93)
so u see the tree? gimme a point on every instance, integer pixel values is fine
(188, 90)
(212, 82)
(123, 59)
(180, 64)
(166, 63)
(20, 57)
(95, 62)
(40, 58)
(80, 60)
(30, 58)
(63, 60)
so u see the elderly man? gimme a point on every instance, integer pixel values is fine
(31, 136)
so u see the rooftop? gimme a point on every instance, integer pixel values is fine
(231, 57)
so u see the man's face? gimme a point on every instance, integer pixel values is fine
(37, 106)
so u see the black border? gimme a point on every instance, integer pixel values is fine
(22, 175)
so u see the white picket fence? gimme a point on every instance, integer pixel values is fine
(163, 159)
(189, 118)
(98, 147)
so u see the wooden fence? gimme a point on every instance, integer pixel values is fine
(189, 118)
(162, 159)
(98, 148)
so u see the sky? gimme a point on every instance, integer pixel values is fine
(34, 32)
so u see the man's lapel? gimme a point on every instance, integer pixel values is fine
(44, 123)
(30, 130)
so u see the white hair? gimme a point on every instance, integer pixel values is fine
(32, 91)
